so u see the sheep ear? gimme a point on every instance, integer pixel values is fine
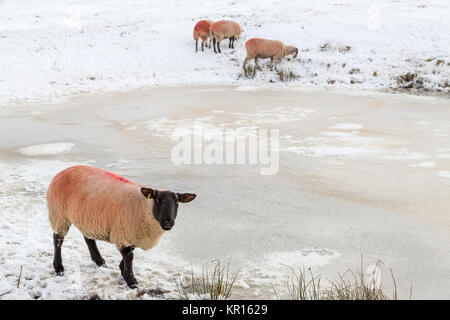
(149, 193)
(186, 197)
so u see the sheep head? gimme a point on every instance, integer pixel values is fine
(165, 205)
(292, 50)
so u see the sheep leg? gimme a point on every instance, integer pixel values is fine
(277, 61)
(214, 45)
(245, 66)
(57, 260)
(218, 46)
(95, 254)
(229, 43)
(257, 65)
(126, 266)
(196, 46)
(232, 42)
(271, 64)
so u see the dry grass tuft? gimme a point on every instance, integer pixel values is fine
(351, 285)
(286, 75)
(215, 283)
(410, 81)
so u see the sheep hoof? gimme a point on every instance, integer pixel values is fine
(132, 282)
(59, 270)
(100, 263)
(60, 273)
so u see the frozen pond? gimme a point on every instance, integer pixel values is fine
(360, 174)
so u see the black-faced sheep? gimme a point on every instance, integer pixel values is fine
(105, 206)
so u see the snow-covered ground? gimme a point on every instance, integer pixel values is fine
(51, 49)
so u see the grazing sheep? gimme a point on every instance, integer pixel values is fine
(263, 48)
(105, 206)
(224, 29)
(201, 30)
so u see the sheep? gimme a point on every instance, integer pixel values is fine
(201, 30)
(224, 29)
(263, 48)
(108, 207)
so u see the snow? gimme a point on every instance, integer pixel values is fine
(50, 50)
(425, 164)
(47, 149)
(444, 174)
(347, 126)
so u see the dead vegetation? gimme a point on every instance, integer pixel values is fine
(216, 282)
(286, 75)
(303, 284)
(354, 70)
(281, 74)
(410, 80)
(327, 46)
(154, 293)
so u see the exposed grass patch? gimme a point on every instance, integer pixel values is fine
(282, 75)
(154, 293)
(304, 285)
(344, 49)
(355, 81)
(357, 285)
(327, 46)
(215, 283)
(410, 81)
(286, 75)
(350, 285)
(408, 77)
